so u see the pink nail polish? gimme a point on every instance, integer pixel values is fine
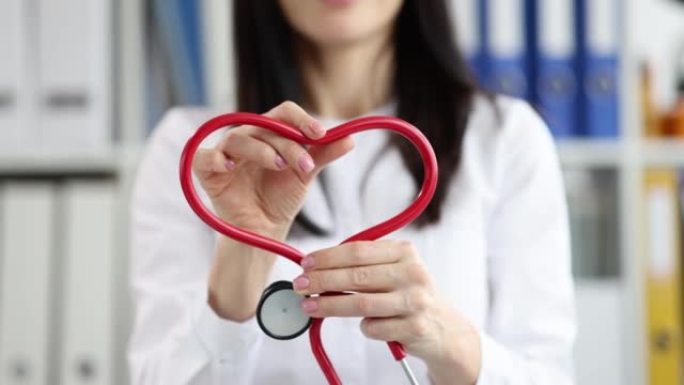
(307, 262)
(317, 128)
(229, 164)
(310, 305)
(280, 162)
(305, 163)
(301, 282)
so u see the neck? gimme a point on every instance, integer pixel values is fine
(350, 80)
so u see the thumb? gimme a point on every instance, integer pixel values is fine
(213, 170)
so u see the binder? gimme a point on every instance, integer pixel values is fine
(599, 49)
(75, 56)
(681, 205)
(467, 17)
(652, 125)
(14, 87)
(506, 47)
(593, 213)
(556, 81)
(175, 62)
(26, 248)
(584, 213)
(88, 286)
(218, 48)
(178, 24)
(663, 278)
(600, 341)
(191, 13)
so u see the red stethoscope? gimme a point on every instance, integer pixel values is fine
(279, 313)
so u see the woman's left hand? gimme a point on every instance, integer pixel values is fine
(398, 300)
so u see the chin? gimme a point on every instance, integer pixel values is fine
(337, 32)
(335, 22)
(339, 3)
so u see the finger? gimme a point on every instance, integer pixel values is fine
(211, 160)
(327, 153)
(375, 278)
(323, 155)
(358, 305)
(294, 115)
(245, 147)
(295, 155)
(360, 253)
(401, 329)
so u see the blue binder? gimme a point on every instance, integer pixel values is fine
(179, 25)
(190, 11)
(467, 17)
(556, 84)
(481, 59)
(599, 50)
(505, 54)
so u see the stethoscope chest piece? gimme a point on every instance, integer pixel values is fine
(280, 313)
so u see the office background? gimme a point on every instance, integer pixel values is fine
(82, 83)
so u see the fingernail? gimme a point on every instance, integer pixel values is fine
(229, 164)
(317, 128)
(301, 282)
(310, 305)
(280, 162)
(307, 262)
(305, 163)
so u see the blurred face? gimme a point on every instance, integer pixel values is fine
(335, 22)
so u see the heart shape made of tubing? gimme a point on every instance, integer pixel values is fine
(401, 219)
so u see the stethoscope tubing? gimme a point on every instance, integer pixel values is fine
(408, 131)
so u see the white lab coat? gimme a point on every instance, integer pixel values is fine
(500, 254)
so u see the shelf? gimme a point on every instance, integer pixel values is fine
(664, 153)
(590, 152)
(578, 153)
(597, 283)
(45, 163)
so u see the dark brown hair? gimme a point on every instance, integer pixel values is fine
(432, 84)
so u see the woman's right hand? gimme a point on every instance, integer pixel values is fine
(257, 179)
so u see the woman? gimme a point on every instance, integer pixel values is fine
(478, 290)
